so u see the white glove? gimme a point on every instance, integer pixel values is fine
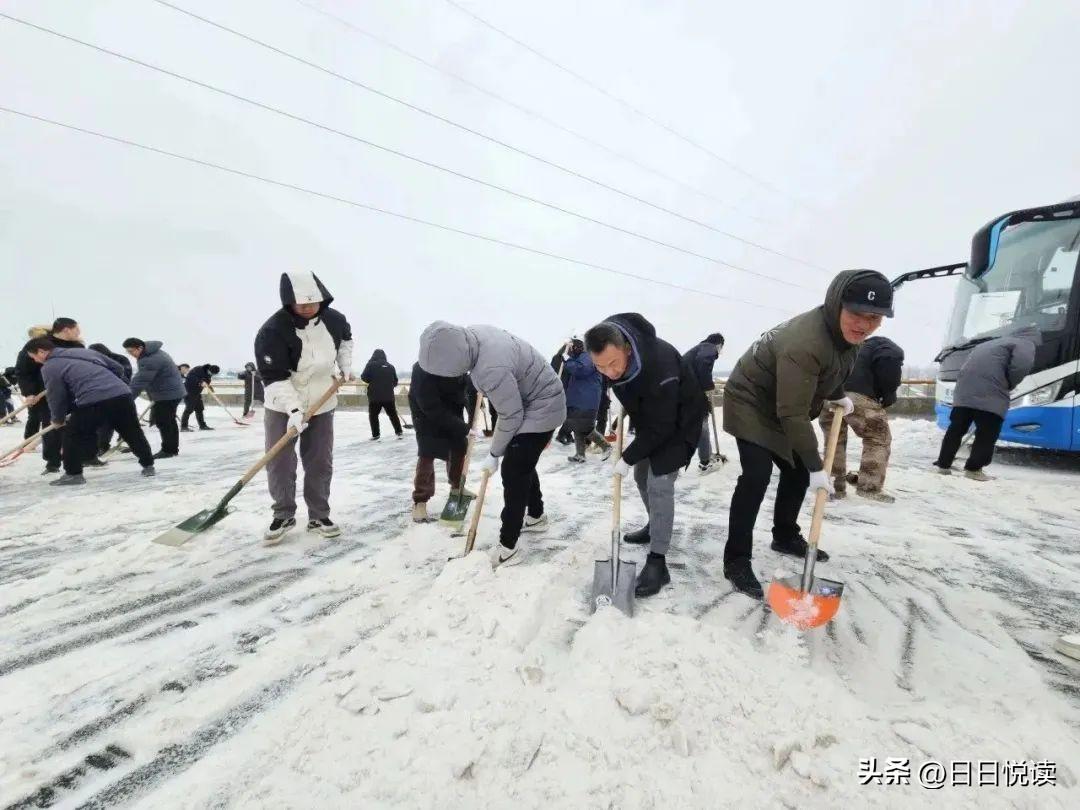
(821, 480)
(843, 402)
(489, 465)
(620, 468)
(296, 420)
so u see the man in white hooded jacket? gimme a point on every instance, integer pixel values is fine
(297, 350)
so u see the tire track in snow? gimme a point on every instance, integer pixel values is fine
(179, 605)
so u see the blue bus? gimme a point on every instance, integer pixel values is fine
(1022, 271)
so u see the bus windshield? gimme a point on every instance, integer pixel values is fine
(1029, 282)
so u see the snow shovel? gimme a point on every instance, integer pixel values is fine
(200, 521)
(28, 444)
(717, 455)
(457, 505)
(217, 399)
(15, 413)
(488, 432)
(613, 579)
(809, 601)
(470, 538)
(120, 442)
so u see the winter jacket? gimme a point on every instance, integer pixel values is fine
(994, 368)
(877, 370)
(122, 361)
(513, 375)
(75, 378)
(381, 378)
(60, 343)
(437, 405)
(196, 378)
(662, 397)
(702, 358)
(296, 357)
(583, 387)
(253, 384)
(29, 374)
(157, 375)
(779, 385)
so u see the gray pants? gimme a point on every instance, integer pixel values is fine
(583, 426)
(704, 445)
(317, 456)
(658, 494)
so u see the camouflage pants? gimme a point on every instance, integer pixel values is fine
(871, 424)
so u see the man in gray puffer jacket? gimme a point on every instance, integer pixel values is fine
(529, 398)
(160, 378)
(988, 376)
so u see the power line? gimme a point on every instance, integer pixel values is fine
(537, 115)
(624, 103)
(585, 138)
(418, 109)
(398, 153)
(367, 207)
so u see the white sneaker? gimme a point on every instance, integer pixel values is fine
(325, 527)
(277, 530)
(420, 513)
(531, 524)
(501, 555)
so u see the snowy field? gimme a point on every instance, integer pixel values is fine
(366, 672)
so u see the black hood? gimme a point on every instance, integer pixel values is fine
(378, 356)
(634, 322)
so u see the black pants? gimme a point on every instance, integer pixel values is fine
(37, 419)
(163, 416)
(193, 404)
(373, 417)
(521, 484)
(602, 412)
(987, 430)
(118, 413)
(757, 464)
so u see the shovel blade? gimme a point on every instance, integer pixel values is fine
(185, 530)
(603, 594)
(457, 507)
(805, 609)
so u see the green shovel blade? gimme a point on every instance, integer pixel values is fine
(185, 530)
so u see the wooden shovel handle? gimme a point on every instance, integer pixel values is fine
(821, 495)
(15, 412)
(290, 434)
(469, 441)
(616, 484)
(29, 443)
(478, 507)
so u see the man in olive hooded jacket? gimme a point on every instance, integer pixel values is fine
(777, 389)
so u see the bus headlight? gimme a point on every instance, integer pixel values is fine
(1040, 396)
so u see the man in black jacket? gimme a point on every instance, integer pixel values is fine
(32, 388)
(198, 378)
(66, 334)
(442, 433)
(382, 380)
(253, 386)
(872, 388)
(104, 430)
(702, 358)
(660, 392)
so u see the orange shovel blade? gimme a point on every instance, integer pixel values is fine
(802, 609)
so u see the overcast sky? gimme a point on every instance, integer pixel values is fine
(855, 134)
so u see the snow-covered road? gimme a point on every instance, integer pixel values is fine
(367, 672)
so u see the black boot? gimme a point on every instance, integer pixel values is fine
(741, 576)
(653, 576)
(796, 547)
(638, 538)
